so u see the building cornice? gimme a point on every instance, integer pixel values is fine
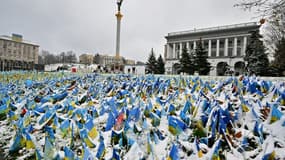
(213, 29)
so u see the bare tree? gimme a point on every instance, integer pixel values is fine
(273, 13)
(71, 57)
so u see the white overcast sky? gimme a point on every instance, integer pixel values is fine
(89, 26)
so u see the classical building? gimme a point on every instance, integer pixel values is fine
(17, 54)
(86, 59)
(225, 46)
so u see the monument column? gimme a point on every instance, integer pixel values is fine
(118, 62)
(118, 35)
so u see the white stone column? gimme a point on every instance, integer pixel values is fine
(244, 45)
(194, 45)
(209, 48)
(235, 47)
(180, 51)
(168, 51)
(173, 51)
(218, 48)
(188, 46)
(226, 47)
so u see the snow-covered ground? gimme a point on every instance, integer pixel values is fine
(57, 115)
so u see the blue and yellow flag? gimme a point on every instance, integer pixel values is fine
(68, 154)
(29, 142)
(92, 131)
(176, 126)
(115, 155)
(84, 136)
(49, 151)
(101, 150)
(199, 151)
(65, 127)
(38, 155)
(19, 142)
(276, 114)
(173, 155)
(269, 156)
(87, 155)
(110, 122)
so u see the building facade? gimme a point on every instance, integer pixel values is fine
(138, 69)
(17, 54)
(225, 46)
(86, 59)
(106, 60)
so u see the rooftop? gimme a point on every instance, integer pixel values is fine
(233, 26)
(9, 38)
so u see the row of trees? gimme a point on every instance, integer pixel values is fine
(188, 63)
(155, 66)
(64, 57)
(194, 62)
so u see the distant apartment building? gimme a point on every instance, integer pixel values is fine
(107, 60)
(17, 53)
(86, 59)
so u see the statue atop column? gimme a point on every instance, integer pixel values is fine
(119, 3)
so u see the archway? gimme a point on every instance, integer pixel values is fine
(239, 67)
(222, 67)
(176, 68)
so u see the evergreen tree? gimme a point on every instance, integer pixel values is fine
(151, 63)
(279, 56)
(160, 65)
(186, 62)
(201, 60)
(255, 56)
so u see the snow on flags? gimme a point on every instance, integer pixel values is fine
(86, 139)
(143, 106)
(276, 114)
(176, 126)
(49, 149)
(65, 127)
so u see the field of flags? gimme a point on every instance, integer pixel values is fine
(113, 117)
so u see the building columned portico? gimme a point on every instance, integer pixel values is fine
(225, 45)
